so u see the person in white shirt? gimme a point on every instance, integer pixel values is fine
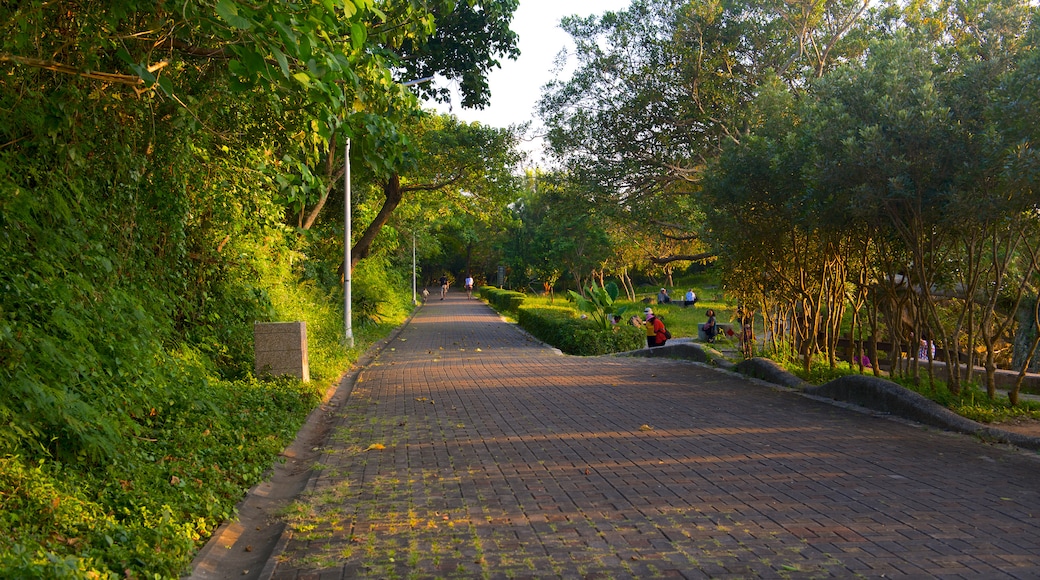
(690, 299)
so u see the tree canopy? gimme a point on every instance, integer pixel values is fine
(832, 155)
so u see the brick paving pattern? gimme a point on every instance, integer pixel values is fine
(468, 450)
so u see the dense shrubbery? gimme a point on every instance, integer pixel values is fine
(502, 300)
(130, 423)
(560, 327)
(123, 444)
(146, 508)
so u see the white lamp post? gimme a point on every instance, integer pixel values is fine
(348, 330)
(414, 301)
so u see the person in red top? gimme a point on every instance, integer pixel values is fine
(656, 334)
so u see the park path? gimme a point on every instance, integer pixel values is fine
(467, 449)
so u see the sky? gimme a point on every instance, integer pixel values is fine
(516, 87)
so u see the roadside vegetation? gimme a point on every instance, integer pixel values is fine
(170, 175)
(861, 174)
(558, 322)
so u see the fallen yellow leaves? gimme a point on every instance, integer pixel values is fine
(375, 447)
(645, 427)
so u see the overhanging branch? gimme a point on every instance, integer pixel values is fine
(58, 67)
(662, 260)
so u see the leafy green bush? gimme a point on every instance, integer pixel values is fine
(560, 327)
(550, 324)
(376, 287)
(598, 304)
(502, 300)
(130, 422)
(820, 372)
(166, 489)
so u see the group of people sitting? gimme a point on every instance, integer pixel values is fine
(690, 299)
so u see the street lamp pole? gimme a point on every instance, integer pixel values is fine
(414, 301)
(348, 330)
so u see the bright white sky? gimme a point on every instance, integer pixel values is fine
(516, 87)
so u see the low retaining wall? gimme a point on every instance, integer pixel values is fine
(684, 351)
(863, 390)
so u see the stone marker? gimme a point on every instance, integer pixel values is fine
(280, 348)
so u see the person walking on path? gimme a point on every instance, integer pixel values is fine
(469, 287)
(444, 287)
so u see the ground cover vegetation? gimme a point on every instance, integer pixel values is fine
(168, 176)
(863, 174)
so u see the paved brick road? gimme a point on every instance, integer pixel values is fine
(468, 450)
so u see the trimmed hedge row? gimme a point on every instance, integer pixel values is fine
(560, 327)
(502, 300)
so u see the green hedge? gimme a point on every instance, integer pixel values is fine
(502, 300)
(561, 327)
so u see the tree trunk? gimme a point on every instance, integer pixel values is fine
(469, 258)
(392, 190)
(991, 366)
(333, 176)
(630, 289)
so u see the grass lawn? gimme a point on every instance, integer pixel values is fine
(680, 321)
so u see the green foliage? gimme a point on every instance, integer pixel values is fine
(549, 323)
(560, 327)
(147, 508)
(598, 304)
(820, 372)
(587, 340)
(486, 23)
(128, 411)
(970, 402)
(168, 482)
(502, 300)
(556, 232)
(374, 289)
(144, 189)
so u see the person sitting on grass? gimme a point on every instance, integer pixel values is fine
(663, 297)
(690, 299)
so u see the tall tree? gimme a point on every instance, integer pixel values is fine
(454, 168)
(661, 86)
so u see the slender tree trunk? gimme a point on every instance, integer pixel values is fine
(393, 193)
(630, 289)
(332, 176)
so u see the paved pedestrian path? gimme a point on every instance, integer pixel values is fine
(467, 449)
